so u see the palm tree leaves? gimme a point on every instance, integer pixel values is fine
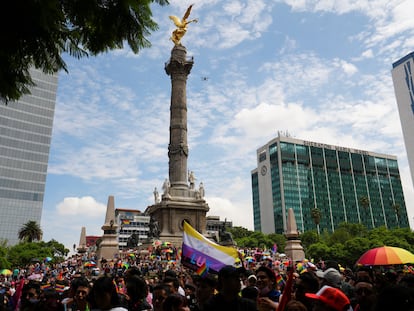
(316, 216)
(30, 232)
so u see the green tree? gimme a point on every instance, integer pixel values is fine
(279, 239)
(355, 230)
(341, 235)
(318, 251)
(36, 33)
(58, 249)
(23, 253)
(4, 263)
(30, 232)
(308, 238)
(406, 235)
(339, 253)
(239, 232)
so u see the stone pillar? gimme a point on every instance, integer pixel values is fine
(178, 68)
(179, 202)
(109, 245)
(82, 241)
(293, 248)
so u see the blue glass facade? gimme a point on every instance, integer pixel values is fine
(25, 136)
(346, 185)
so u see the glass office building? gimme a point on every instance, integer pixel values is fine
(344, 184)
(25, 136)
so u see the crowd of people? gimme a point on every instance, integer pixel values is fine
(144, 283)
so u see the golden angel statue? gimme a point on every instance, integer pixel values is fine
(181, 26)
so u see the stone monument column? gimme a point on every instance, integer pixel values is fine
(293, 248)
(82, 241)
(178, 68)
(180, 201)
(109, 245)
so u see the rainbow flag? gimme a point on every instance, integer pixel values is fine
(116, 286)
(202, 255)
(60, 288)
(279, 280)
(202, 271)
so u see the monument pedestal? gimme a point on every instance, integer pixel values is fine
(178, 205)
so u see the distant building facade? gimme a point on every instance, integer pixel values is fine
(343, 184)
(25, 136)
(131, 222)
(214, 224)
(403, 78)
(91, 241)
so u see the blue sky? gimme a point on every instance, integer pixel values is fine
(320, 70)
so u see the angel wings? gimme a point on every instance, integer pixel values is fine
(181, 26)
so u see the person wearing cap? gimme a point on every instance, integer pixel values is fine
(334, 278)
(251, 291)
(329, 298)
(228, 298)
(251, 280)
(330, 277)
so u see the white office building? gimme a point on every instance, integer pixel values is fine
(403, 78)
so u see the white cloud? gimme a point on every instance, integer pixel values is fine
(348, 68)
(367, 54)
(398, 21)
(84, 207)
(240, 215)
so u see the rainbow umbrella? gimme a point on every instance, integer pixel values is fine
(166, 244)
(250, 259)
(90, 264)
(386, 255)
(5, 272)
